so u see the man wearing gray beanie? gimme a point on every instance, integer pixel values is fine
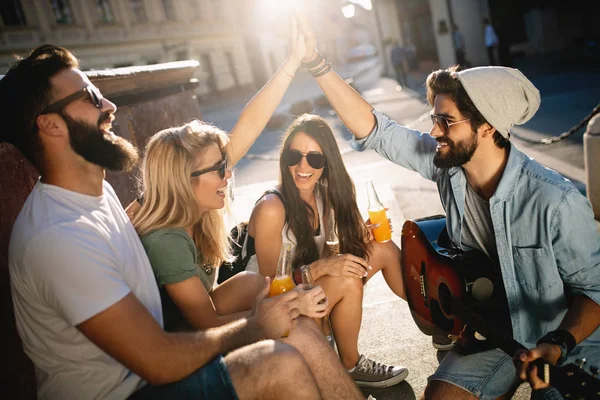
(533, 224)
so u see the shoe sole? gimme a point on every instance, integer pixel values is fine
(387, 383)
(443, 347)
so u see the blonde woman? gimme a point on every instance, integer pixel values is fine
(181, 222)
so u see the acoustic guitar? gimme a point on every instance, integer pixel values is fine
(449, 289)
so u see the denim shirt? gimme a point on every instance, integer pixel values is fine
(547, 240)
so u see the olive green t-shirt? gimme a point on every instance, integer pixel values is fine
(174, 258)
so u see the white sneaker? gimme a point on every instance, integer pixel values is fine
(371, 373)
(371, 398)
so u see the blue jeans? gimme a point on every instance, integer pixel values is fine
(209, 382)
(486, 375)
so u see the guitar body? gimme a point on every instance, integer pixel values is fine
(444, 290)
(428, 276)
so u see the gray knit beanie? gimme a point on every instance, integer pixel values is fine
(504, 96)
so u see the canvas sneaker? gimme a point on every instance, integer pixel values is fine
(371, 373)
(441, 342)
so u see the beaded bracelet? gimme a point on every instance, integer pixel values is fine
(322, 72)
(314, 62)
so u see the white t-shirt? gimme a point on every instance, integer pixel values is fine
(72, 256)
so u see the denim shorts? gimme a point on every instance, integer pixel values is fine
(209, 382)
(486, 375)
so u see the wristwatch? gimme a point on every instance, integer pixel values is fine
(563, 339)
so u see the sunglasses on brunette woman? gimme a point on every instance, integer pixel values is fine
(313, 158)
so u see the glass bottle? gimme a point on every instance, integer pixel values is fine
(377, 215)
(283, 281)
(323, 323)
(331, 239)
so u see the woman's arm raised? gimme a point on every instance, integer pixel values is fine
(261, 107)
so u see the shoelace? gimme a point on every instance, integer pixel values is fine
(374, 367)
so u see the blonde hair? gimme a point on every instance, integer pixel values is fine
(169, 201)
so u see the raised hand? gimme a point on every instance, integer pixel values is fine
(313, 302)
(310, 40)
(298, 41)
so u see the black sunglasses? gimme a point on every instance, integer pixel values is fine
(443, 123)
(313, 158)
(91, 91)
(221, 168)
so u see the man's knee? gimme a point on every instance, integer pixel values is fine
(440, 390)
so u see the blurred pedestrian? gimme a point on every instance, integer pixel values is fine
(459, 47)
(491, 41)
(400, 63)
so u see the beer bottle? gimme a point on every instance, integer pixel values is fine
(323, 323)
(377, 215)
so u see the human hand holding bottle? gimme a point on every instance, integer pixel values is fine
(372, 226)
(274, 317)
(377, 216)
(313, 302)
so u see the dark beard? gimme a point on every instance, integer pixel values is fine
(110, 152)
(458, 155)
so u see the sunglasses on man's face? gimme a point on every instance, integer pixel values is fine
(220, 168)
(443, 123)
(313, 158)
(92, 92)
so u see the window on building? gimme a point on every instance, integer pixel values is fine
(63, 13)
(104, 14)
(169, 8)
(12, 13)
(139, 11)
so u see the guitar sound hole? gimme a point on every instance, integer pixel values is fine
(445, 298)
(438, 318)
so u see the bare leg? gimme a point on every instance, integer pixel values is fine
(386, 257)
(440, 390)
(270, 370)
(345, 302)
(237, 293)
(333, 380)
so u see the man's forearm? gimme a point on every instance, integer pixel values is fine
(185, 352)
(582, 319)
(353, 110)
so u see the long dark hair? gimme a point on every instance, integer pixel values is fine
(338, 193)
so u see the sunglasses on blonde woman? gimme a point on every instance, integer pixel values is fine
(313, 158)
(221, 168)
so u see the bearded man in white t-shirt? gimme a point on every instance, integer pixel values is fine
(86, 302)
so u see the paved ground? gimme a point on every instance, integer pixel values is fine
(388, 332)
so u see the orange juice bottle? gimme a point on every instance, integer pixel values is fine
(377, 215)
(283, 281)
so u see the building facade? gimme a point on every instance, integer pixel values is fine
(238, 43)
